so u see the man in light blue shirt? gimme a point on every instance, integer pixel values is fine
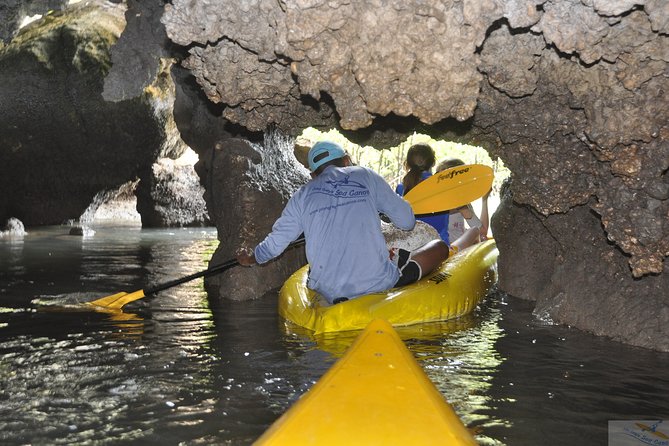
(338, 212)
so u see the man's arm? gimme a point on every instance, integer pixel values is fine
(392, 205)
(285, 230)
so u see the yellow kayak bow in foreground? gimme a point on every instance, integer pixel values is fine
(376, 394)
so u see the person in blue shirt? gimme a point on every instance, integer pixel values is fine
(418, 164)
(338, 212)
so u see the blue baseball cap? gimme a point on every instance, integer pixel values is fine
(322, 152)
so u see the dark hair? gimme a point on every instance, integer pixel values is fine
(420, 158)
(448, 163)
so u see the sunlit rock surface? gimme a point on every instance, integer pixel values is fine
(114, 207)
(173, 196)
(13, 227)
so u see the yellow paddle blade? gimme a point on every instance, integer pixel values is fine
(118, 300)
(450, 189)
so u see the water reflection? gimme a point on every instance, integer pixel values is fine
(70, 376)
(182, 371)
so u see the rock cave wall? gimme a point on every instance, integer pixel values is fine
(61, 143)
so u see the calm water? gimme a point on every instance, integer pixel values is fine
(174, 371)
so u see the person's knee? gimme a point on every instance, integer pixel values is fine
(442, 249)
(431, 255)
(438, 249)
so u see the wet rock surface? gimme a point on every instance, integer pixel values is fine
(577, 277)
(247, 187)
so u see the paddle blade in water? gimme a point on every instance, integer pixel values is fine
(450, 189)
(118, 300)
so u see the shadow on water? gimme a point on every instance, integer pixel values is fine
(561, 386)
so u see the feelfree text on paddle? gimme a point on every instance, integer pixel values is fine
(450, 174)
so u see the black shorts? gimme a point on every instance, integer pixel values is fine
(410, 271)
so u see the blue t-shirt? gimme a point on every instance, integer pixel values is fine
(438, 222)
(338, 211)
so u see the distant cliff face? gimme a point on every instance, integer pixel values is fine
(571, 95)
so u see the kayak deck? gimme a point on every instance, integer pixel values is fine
(452, 290)
(376, 394)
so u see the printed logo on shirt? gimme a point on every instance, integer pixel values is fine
(337, 205)
(343, 189)
(336, 184)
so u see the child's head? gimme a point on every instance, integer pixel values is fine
(421, 157)
(448, 163)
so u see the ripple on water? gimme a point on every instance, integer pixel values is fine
(178, 372)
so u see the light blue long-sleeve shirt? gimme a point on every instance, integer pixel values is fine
(338, 211)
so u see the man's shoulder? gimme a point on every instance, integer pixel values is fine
(359, 170)
(348, 170)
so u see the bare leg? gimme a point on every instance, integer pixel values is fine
(470, 237)
(485, 219)
(430, 255)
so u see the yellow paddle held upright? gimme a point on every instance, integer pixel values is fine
(450, 189)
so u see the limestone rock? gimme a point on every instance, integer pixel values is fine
(172, 196)
(249, 185)
(61, 142)
(13, 228)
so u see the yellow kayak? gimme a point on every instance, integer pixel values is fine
(452, 290)
(376, 394)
